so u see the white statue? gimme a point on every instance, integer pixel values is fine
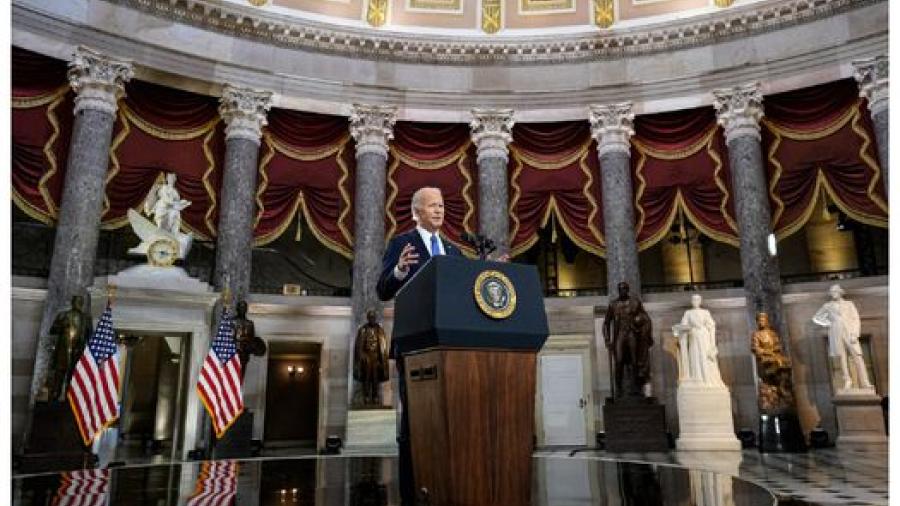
(698, 353)
(164, 204)
(163, 243)
(842, 320)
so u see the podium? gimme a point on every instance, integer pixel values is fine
(470, 378)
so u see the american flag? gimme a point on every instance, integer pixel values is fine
(94, 389)
(216, 484)
(87, 487)
(219, 383)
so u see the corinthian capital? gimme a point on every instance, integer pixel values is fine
(612, 126)
(492, 132)
(98, 80)
(244, 111)
(739, 110)
(872, 76)
(372, 126)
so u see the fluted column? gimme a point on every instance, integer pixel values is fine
(739, 110)
(612, 128)
(98, 82)
(244, 111)
(872, 76)
(372, 129)
(492, 133)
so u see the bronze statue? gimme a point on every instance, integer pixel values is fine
(370, 365)
(72, 329)
(245, 337)
(776, 392)
(627, 333)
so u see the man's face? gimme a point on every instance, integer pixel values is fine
(431, 212)
(623, 290)
(762, 319)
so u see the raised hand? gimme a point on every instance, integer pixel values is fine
(407, 257)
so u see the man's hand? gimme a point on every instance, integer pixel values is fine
(407, 257)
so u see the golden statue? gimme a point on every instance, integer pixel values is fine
(72, 329)
(245, 337)
(776, 391)
(370, 363)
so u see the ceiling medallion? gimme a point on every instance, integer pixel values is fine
(491, 16)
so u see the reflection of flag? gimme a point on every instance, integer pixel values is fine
(216, 484)
(219, 383)
(94, 389)
(87, 487)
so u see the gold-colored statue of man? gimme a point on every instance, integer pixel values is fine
(245, 337)
(776, 391)
(370, 364)
(72, 329)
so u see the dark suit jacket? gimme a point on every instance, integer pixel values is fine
(388, 285)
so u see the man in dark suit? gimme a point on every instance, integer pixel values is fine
(404, 255)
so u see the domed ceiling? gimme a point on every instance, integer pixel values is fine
(490, 17)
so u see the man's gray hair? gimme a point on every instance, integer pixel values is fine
(417, 199)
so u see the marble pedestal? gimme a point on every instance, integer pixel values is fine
(704, 418)
(371, 430)
(860, 419)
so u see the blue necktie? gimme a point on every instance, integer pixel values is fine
(435, 248)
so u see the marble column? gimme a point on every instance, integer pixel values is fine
(739, 110)
(372, 129)
(612, 128)
(98, 82)
(491, 134)
(244, 111)
(872, 76)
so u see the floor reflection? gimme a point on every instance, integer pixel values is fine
(371, 481)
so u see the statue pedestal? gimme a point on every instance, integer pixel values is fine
(55, 443)
(162, 278)
(369, 430)
(237, 442)
(860, 419)
(635, 424)
(780, 432)
(704, 418)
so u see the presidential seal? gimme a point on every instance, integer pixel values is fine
(495, 294)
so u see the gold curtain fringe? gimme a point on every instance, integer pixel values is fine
(50, 155)
(345, 197)
(678, 154)
(306, 155)
(430, 164)
(169, 134)
(38, 101)
(31, 211)
(553, 164)
(819, 133)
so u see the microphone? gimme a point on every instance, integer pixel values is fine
(483, 246)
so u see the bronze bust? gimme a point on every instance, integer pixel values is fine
(370, 364)
(72, 329)
(245, 337)
(776, 391)
(627, 333)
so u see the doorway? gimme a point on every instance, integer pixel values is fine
(292, 395)
(565, 410)
(153, 397)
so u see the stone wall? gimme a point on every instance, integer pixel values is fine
(327, 321)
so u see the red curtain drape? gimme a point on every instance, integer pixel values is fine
(439, 155)
(820, 139)
(306, 164)
(555, 173)
(41, 127)
(680, 164)
(159, 130)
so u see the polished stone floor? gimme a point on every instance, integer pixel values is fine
(560, 478)
(369, 481)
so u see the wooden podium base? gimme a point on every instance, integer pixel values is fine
(471, 417)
